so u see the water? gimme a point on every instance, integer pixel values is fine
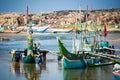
(52, 70)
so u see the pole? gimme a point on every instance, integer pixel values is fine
(29, 34)
(80, 40)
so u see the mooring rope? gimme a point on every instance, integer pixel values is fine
(112, 49)
(52, 52)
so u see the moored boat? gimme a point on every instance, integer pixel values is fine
(53, 30)
(11, 30)
(117, 72)
(32, 54)
(80, 60)
(22, 55)
(40, 29)
(116, 69)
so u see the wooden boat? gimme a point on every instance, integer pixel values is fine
(6, 30)
(53, 30)
(82, 59)
(21, 28)
(35, 58)
(40, 29)
(117, 72)
(21, 55)
(81, 63)
(32, 54)
(71, 60)
(116, 69)
(28, 59)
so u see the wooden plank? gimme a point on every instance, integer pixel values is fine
(107, 57)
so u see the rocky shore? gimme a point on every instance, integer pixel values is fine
(64, 18)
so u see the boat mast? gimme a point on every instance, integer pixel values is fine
(74, 45)
(29, 33)
(80, 40)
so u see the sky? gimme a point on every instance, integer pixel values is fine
(37, 6)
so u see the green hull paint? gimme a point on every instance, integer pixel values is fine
(28, 59)
(79, 60)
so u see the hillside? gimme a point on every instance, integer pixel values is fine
(62, 18)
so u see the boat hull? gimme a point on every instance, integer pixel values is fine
(28, 59)
(60, 30)
(82, 63)
(41, 29)
(72, 64)
(117, 72)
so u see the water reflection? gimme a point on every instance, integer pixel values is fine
(97, 73)
(15, 69)
(29, 71)
(72, 74)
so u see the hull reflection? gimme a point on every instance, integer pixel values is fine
(88, 74)
(29, 71)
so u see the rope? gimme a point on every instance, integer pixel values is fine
(52, 52)
(112, 49)
(107, 57)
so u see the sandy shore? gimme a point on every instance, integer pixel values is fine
(22, 32)
(113, 30)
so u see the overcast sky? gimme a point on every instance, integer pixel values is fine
(36, 6)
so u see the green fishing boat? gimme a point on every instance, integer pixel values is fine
(71, 60)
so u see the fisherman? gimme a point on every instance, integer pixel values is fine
(35, 50)
(109, 51)
(112, 51)
(25, 52)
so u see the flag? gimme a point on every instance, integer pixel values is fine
(105, 30)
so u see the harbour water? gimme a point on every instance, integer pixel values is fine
(52, 70)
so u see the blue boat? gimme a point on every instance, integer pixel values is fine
(57, 30)
(41, 29)
(72, 63)
(81, 60)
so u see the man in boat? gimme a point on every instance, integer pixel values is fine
(36, 51)
(112, 51)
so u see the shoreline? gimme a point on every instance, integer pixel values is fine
(23, 32)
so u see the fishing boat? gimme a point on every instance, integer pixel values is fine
(21, 55)
(116, 69)
(6, 30)
(21, 28)
(40, 29)
(71, 60)
(54, 30)
(32, 54)
(117, 72)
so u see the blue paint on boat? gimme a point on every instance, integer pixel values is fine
(82, 63)
(72, 64)
(41, 30)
